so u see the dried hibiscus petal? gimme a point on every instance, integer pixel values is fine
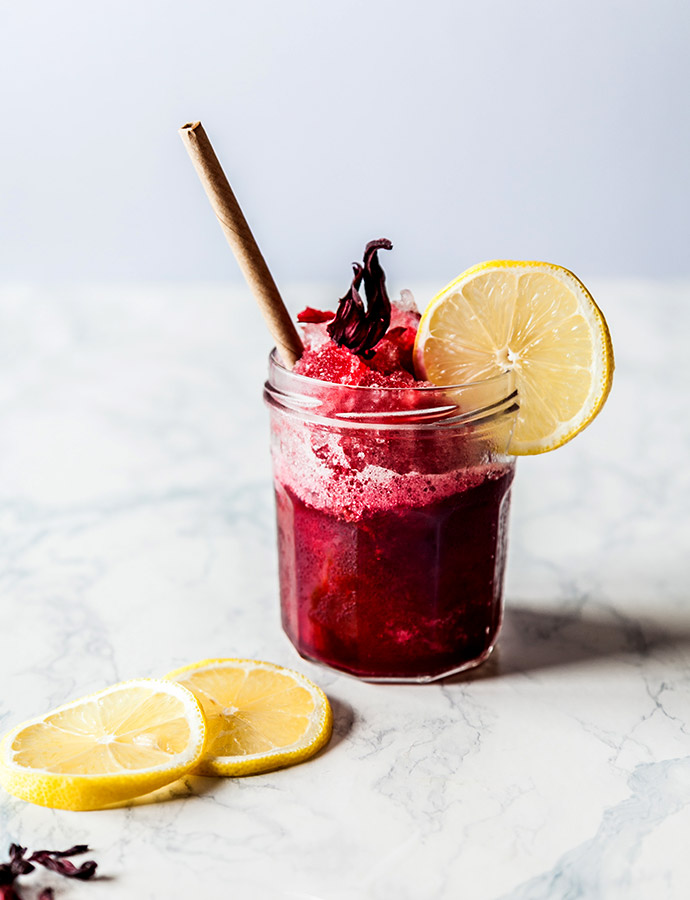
(355, 327)
(55, 860)
(77, 850)
(6, 876)
(18, 865)
(57, 863)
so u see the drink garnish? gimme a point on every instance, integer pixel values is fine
(356, 327)
(535, 319)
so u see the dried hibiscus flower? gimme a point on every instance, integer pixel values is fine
(355, 327)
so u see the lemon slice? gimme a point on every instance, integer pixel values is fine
(122, 742)
(260, 716)
(535, 318)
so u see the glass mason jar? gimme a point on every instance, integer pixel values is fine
(392, 508)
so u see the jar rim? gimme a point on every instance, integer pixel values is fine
(364, 406)
(275, 362)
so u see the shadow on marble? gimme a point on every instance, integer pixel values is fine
(534, 639)
(198, 785)
(343, 722)
(183, 789)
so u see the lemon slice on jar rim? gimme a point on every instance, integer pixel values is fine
(536, 319)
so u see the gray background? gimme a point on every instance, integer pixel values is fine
(545, 130)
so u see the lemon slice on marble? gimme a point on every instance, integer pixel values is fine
(260, 716)
(109, 747)
(536, 319)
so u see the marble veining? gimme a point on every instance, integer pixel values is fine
(137, 534)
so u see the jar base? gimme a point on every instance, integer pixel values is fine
(403, 679)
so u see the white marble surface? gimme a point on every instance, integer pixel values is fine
(136, 534)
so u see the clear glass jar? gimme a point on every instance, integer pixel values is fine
(392, 508)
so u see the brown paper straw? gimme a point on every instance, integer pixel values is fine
(242, 242)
